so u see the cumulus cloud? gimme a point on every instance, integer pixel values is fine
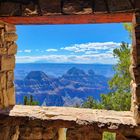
(87, 53)
(92, 47)
(51, 50)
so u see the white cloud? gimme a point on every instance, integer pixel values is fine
(95, 58)
(20, 51)
(27, 51)
(94, 46)
(51, 50)
(89, 53)
(24, 51)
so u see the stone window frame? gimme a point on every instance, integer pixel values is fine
(8, 49)
(135, 67)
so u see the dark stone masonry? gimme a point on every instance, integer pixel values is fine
(61, 123)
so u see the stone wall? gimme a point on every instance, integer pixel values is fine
(57, 7)
(135, 67)
(8, 49)
(35, 123)
(64, 123)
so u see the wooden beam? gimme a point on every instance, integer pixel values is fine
(71, 19)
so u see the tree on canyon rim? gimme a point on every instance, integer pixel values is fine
(119, 98)
(30, 101)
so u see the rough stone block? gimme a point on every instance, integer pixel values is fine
(135, 73)
(36, 133)
(2, 80)
(1, 44)
(137, 132)
(2, 35)
(15, 134)
(10, 79)
(136, 18)
(7, 63)
(10, 8)
(11, 96)
(135, 55)
(5, 98)
(10, 28)
(137, 29)
(49, 134)
(1, 98)
(132, 102)
(1, 32)
(3, 50)
(77, 6)
(29, 9)
(5, 132)
(48, 7)
(135, 90)
(135, 38)
(2, 24)
(10, 36)
(25, 133)
(137, 114)
(12, 49)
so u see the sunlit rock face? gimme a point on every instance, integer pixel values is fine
(70, 89)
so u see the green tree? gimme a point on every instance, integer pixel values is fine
(109, 136)
(30, 101)
(31, 98)
(121, 80)
(77, 105)
(90, 103)
(119, 98)
(25, 100)
(128, 27)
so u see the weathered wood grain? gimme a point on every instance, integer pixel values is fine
(71, 19)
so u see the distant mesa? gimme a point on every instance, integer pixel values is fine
(36, 75)
(75, 85)
(75, 72)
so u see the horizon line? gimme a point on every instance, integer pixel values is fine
(66, 63)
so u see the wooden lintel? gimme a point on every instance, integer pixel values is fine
(71, 19)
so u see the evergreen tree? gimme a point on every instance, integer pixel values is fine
(128, 27)
(30, 101)
(25, 100)
(31, 98)
(120, 97)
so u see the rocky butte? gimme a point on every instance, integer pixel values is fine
(70, 89)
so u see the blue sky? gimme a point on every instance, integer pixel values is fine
(90, 43)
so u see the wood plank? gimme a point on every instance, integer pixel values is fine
(71, 19)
